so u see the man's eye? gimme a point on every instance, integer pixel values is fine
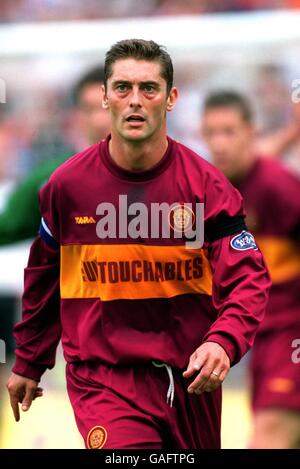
(149, 88)
(230, 132)
(122, 87)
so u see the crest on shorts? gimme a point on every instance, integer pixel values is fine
(181, 218)
(97, 437)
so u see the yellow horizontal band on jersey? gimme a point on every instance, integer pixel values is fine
(133, 271)
(282, 257)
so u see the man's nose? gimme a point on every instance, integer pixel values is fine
(135, 97)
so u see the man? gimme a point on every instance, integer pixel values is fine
(148, 336)
(20, 218)
(271, 194)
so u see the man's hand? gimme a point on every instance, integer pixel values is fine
(22, 390)
(213, 362)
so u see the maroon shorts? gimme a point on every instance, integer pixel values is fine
(275, 376)
(122, 407)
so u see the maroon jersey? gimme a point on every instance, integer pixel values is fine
(108, 277)
(271, 194)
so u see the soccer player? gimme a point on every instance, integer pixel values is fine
(152, 313)
(271, 194)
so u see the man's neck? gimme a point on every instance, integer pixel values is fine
(137, 156)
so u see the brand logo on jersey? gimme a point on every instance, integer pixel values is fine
(243, 241)
(84, 220)
(97, 437)
(181, 218)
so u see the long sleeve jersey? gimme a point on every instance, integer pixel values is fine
(116, 271)
(271, 194)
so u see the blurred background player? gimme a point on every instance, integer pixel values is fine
(271, 195)
(91, 125)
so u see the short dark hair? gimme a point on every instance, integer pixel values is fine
(92, 77)
(229, 99)
(140, 49)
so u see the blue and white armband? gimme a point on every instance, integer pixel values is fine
(46, 235)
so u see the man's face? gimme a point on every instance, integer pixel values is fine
(228, 137)
(137, 98)
(94, 120)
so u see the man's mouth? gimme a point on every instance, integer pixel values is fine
(135, 118)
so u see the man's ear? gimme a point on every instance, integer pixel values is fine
(105, 103)
(172, 98)
(104, 98)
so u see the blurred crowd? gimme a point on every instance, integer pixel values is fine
(57, 10)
